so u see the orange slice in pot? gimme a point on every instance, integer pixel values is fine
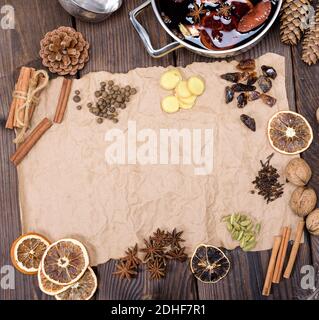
(27, 251)
(84, 289)
(65, 261)
(289, 133)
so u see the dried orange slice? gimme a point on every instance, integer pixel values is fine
(84, 289)
(65, 261)
(289, 132)
(209, 264)
(27, 251)
(48, 287)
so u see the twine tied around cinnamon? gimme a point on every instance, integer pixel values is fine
(31, 100)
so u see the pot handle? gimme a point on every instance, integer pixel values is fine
(155, 53)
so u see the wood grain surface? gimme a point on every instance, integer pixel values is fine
(117, 48)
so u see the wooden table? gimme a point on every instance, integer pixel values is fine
(117, 48)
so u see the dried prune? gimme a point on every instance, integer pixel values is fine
(232, 76)
(236, 77)
(253, 95)
(240, 87)
(252, 78)
(249, 122)
(247, 65)
(265, 84)
(269, 72)
(229, 94)
(270, 101)
(242, 100)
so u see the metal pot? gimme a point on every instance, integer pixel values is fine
(178, 43)
(91, 10)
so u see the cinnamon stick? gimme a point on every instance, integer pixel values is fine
(33, 106)
(294, 250)
(63, 100)
(271, 266)
(281, 255)
(21, 89)
(30, 141)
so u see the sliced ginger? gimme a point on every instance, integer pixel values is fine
(170, 79)
(186, 92)
(196, 86)
(189, 100)
(186, 106)
(170, 104)
(182, 90)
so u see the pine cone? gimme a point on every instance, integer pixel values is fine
(310, 45)
(64, 51)
(294, 18)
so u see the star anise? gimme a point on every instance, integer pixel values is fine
(177, 254)
(225, 10)
(159, 237)
(131, 256)
(156, 268)
(197, 11)
(152, 250)
(125, 270)
(175, 238)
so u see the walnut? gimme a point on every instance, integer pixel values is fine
(303, 201)
(298, 172)
(312, 222)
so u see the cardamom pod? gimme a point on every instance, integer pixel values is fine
(243, 242)
(232, 218)
(241, 234)
(257, 228)
(242, 229)
(236, 226)
(245, 223)
(235, 235)
(249, 246)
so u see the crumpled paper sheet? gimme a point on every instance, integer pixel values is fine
(67, 189)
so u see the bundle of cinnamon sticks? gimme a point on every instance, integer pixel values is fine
(27, 91)
(19, 97)
(278, 256)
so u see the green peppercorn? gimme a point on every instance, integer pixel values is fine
(77, 92)
(99, 120)
(79, 107)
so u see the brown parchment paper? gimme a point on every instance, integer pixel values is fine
(67, 189)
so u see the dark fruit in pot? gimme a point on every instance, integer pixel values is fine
(255, 17)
